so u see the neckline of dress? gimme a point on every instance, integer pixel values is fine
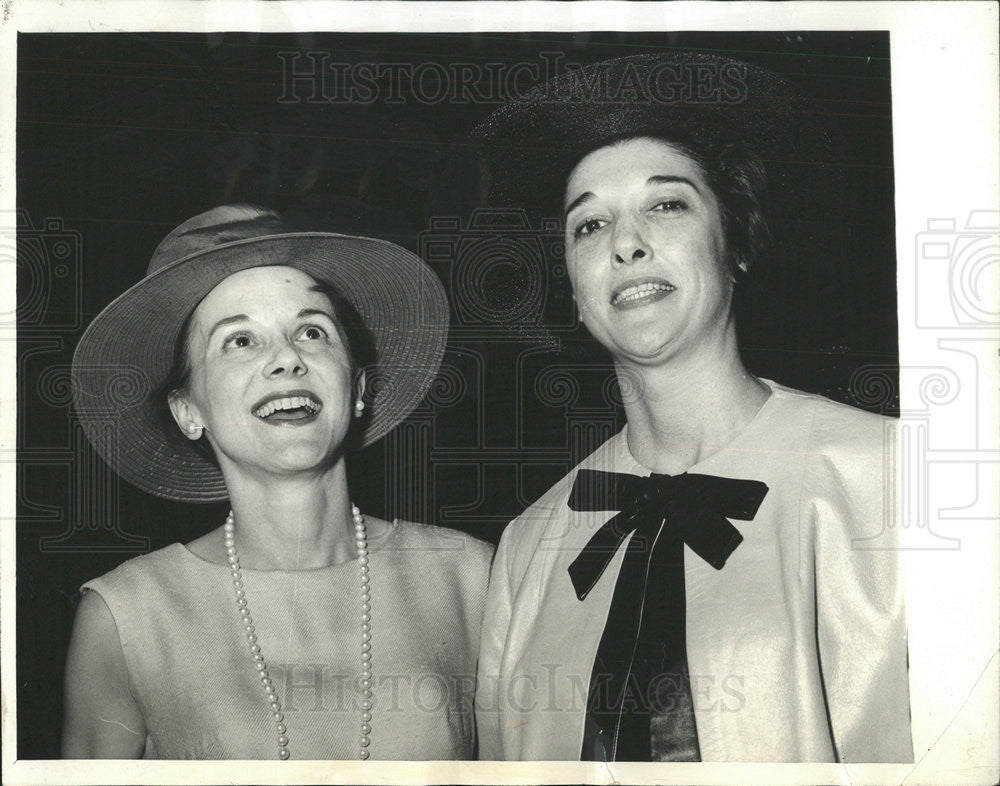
(624, 456)
(374, 544)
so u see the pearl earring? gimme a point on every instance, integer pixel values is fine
(359, 406)
(192, 428)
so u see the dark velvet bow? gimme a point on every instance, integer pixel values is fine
(697, 506)
(640, 706)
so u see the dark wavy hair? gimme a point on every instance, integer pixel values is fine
(350, 326)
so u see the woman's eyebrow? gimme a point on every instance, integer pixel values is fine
(584, 197)
(311, 312)
(659, 180)
(653, 180)
(227, 321)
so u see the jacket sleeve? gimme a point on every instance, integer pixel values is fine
(496, 621)
(861, 628)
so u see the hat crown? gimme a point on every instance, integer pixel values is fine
(221, 225)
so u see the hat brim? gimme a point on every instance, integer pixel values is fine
(529, 146)
(127, 351)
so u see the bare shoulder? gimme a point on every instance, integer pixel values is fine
(94, 624)
(101, 718)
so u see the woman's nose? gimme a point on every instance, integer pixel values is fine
(285, 360)
(629, 246)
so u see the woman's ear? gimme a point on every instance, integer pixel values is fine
(738, 269)
(185, 415)
(579, 311)
(359, 394)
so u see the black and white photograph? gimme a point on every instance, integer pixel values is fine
(463, 393)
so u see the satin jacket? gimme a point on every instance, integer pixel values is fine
(796, 648)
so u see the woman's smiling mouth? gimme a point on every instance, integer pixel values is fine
(641, 293)
(293, 408)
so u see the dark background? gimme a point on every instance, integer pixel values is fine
(122, 137)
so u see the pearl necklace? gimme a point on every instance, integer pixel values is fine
(361, 545)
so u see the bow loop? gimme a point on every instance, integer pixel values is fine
(695, 508)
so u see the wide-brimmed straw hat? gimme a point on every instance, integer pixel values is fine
(127, 351)
(529, 146)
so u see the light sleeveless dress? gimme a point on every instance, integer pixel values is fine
(192, 675)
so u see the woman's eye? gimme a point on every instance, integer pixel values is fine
(589, 226)
(238, 341)
(670, 206)
(313, 333)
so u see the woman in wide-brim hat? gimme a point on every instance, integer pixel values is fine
(698, 588)
(248, 364)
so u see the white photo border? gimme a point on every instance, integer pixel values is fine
(945, 88)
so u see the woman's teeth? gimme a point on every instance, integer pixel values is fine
(290, 402)
(639, 291)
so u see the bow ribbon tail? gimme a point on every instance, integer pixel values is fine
(588, 567)
(617, 697)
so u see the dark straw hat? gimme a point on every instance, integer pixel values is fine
(529, 146)
(128, 349)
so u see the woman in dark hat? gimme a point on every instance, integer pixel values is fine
(300, 628)
(699, 587)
